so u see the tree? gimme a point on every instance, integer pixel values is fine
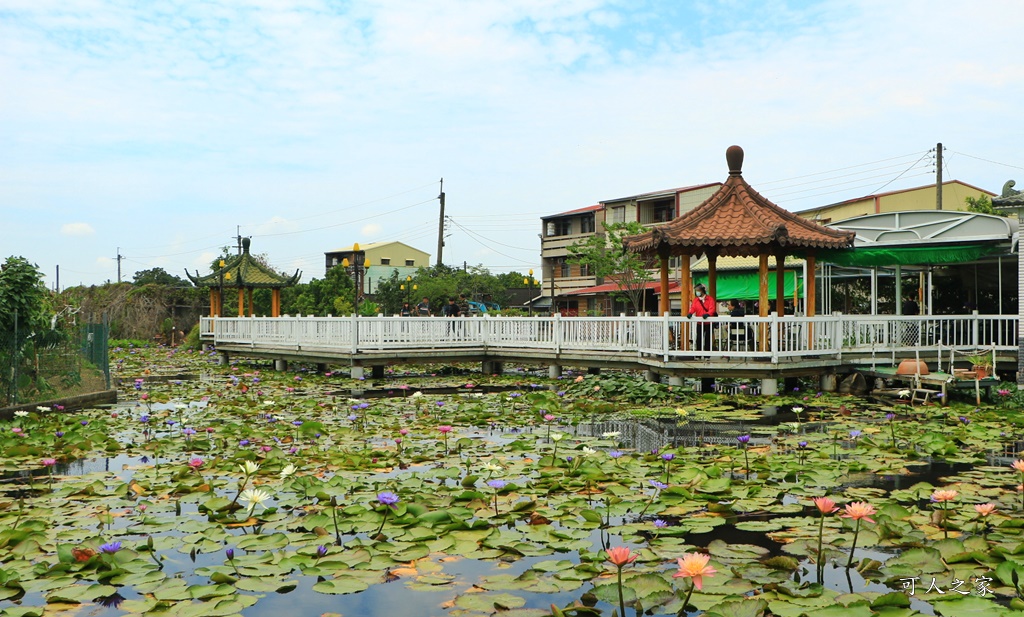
(981, 205)
(158, 276)
(606, 258)
(22, 290)
(332, 295)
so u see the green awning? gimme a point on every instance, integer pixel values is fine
(743, 285)
(908, 255)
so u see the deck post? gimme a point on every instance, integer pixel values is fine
(651, 376)
(827, 382)
(356, 372)
(769, 387)
(280, 365)
(675, 380)
(554, 371)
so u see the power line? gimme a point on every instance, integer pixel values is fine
(912, 165)
(367, 218)
(821, 173)
(986, 160)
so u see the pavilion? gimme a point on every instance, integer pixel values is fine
(736, 221)
(244, 273)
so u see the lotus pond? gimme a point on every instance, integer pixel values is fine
(245, 491)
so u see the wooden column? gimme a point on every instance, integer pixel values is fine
(275, 302)
(780, 284)
(664, 302)
(213, 303)
(685, 289)
(241, 302)
(249, 294)
(809, 300)
(762, 300)
(810, 286)
(713, 276)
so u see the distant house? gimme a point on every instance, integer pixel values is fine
(954, 193)
(576, 290)
(384, 258)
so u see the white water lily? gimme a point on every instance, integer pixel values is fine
(254, 497)
(489, 466)
(268, 402)
(21, 413)
(798, 409)
(611, 434)
(587, 451)
(180, 406)
(249, 468)
(287, 471)
(903, 393)
(417, 394)
(42, 409)
(557, 436)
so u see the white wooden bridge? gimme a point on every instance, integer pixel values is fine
(756, 347)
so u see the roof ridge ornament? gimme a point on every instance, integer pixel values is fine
(734, 157)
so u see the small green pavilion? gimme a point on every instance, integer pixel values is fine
(244, 273)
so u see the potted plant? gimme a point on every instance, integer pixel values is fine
(981, 364)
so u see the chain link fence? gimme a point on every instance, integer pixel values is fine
(68, 360)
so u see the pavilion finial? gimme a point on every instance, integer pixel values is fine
(245, 244)
(734, 156)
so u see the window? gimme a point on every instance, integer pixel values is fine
(584, 269)
(410, 262)
(619, 214)
(587, 224)
(385, 261)
(663, 213)
(560, 267)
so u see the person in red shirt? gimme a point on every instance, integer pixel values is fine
(703, 307)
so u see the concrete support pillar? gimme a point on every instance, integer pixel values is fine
(280, 365)
(356, 372)
(652, 376)
(377, 371)
(490, 367)
(321, 368)
(828, 382)
(769, 387)
(222, 359)
(594, 370)
(554, 371)
(675, 380)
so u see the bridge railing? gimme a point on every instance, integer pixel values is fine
(673, 338)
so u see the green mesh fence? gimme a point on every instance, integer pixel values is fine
(65, 361)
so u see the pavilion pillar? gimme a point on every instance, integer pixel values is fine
(780, 284)
(664, 302)
(762, 300)
(713, 275)
(810, 288)
(249, 294)
(275, 302)
(685, 289)
(241, 302)
(213, 303)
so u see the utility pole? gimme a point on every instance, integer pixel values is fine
(119, 258)
(440, 226)
(58, 278)
(938, 176)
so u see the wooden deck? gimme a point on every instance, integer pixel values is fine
(769, 347)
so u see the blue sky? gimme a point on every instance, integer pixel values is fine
(160, 128)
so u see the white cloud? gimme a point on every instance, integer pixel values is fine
(77, 229)
(371, 231)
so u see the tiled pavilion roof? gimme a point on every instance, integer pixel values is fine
(244, 271)
(738, 221)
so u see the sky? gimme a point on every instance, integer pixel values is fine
(160, 130)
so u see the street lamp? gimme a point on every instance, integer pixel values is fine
(529, 288)
(356, 269)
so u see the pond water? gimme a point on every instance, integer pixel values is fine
(500, 503)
